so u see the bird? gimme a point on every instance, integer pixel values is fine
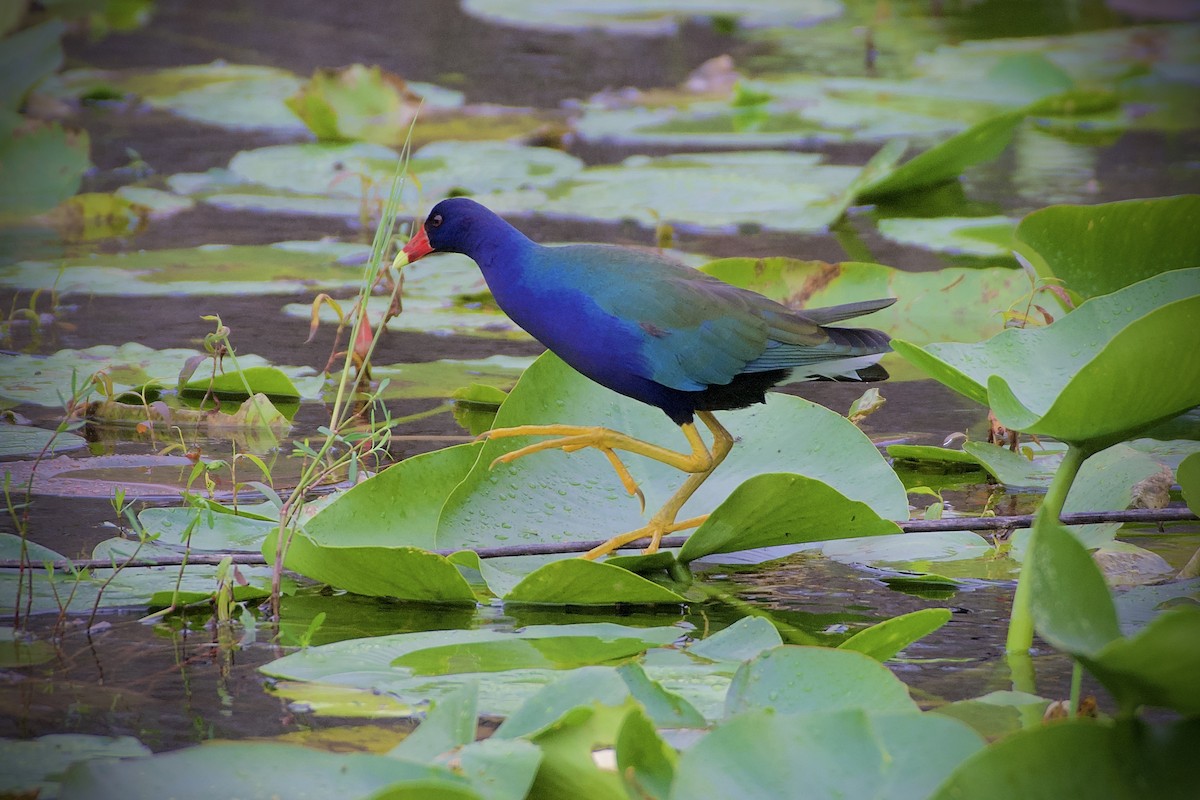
(654, 329)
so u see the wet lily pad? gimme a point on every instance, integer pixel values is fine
(946, 161)
(374, 664)
(1066, 369)
(48, 380)
(344, 179)
(971, 236)
(237, 96)
(554, 496)
(259, 770)
(34, 767)
(772, 190)
(444, 377)
(25, 440)
(283, 268)
(1099, 249)
(651, 17)
(41, 164)
(26, 58)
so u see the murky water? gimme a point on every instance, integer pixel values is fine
(170, 683)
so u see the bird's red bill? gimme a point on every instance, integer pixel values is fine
(418, 246)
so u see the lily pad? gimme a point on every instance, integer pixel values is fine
(256, 770)
(48, 380)
(235, 96)
(353, 179)
(1103, 760)
(25, 440)
(1099, 249)
(34, 767)
(797, 679)
(772, 190)
(946, 161)
(1086, 372)
(851, 753)
(780, 509)
(970, 236)
(554, 496)
(372, 664)
(283, 268)
(651, 17)
(27, 57)
(41, 164)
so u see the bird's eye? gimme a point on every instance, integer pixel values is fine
(435, 221)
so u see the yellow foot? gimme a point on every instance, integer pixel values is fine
(570, 438)
(654, 531)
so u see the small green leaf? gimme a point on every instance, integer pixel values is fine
(261, 380)
(574, 581)
(946, 161)
(885, 639)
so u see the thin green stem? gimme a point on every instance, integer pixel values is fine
(1020, 625)
(1076, 685)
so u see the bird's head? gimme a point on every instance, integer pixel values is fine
(451, 227)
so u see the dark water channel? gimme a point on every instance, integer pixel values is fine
(171, 683)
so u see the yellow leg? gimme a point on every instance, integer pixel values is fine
(570, 438)
(663, 522)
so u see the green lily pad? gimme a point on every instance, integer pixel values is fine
(201, 530)
(352, 179)
(269, 381)
(741, 641)
(884, 640)
(445, 377)
(27, 57)
(651, 17)
(283, 268)
(25, 440)
(34, 767)
(256, 770)
(41, 164)
(554, 496)
(793, 679)
(946, 161)
(1099, 249)
(773, 190)
(371, 665)
(850, 753)
(21, 650)
(236, 96)
(48, 380)
(780, 509)
(1070, 758)
(1087, 372)
(578, 582)
(972, 236)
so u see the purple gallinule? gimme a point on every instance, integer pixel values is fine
(652, 329)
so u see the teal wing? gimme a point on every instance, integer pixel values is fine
(695, 330)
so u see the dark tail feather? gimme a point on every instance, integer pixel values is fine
(830, 314)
